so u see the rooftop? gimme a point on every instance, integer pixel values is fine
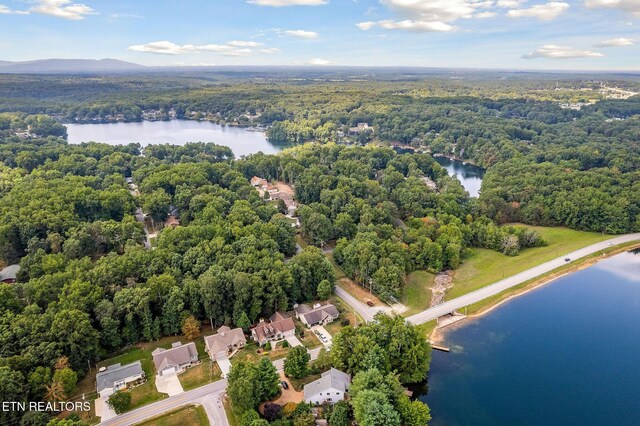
(117, 372)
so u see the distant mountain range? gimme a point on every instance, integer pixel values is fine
(78, 66)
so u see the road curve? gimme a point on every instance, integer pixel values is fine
(500, 286)
(367, 313)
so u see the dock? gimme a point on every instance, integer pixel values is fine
(440, 348)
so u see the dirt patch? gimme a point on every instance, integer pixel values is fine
(441, 284)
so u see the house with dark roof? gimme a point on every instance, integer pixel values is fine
(279, 327)
(176, 359)
(331, 387)
(221, 345)
(318, 315)
(117, 377)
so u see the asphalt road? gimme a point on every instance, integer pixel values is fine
(367, 313)
(502, 285)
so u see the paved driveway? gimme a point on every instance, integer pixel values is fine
(328, 339)
(169, 384)
(103, 410)
(293, 341)
(225, 366)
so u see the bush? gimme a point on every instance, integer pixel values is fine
(272, 411)
(285, 344)
(345, 322)
(120, 401)
(267, 347)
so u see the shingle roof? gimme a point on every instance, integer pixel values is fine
(225, 338)
(333, 378)
(320, 314)
(266, 330)
(9, 273)
(115, 373)
(178, 355)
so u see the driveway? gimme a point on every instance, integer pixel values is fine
(293, 341)
(288, 395)
(225, 366)
(328, 339)
(169, 384)
(103, 410)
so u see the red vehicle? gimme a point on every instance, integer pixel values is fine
(370, 303)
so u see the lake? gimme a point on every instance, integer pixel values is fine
(469, 175)
(567, 353)
(176, 132)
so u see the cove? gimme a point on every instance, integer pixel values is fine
(567, 353)
(469, 175)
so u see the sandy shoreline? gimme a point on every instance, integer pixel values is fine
(438, 334)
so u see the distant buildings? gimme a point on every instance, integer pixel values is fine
(9, 274)
(279, 327)
(176, 359)
(330, 387)
(360, 128)
(318, 315)
(117, 377)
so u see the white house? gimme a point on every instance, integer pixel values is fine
(330, 387)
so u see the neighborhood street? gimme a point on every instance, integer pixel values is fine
(367, 313)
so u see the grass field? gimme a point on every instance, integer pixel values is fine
(485, 266)
(204, 373)
(417, 292)
(187, 416)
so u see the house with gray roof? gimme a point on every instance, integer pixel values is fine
(331, 387)
(176, 359)
(9, 274)
(220, 345)
(117, 377)
(318, 315)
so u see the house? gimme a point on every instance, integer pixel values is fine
(176, 359)
(9, 274)
(258, 182)
(360, 128)
(171, 222)
(279, 327)
(330, 387)
(116, 377)
(318, 315)
(220, 345)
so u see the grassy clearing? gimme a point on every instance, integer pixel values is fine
(484, 266)
(417, 291)
(298, 384)
(186, 416)
(204, 373)
(249, 353)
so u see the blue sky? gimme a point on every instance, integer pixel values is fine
(521, 34)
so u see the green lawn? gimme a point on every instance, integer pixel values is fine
(186, 416)
(417, 292)
(485, 266)
(204, 373)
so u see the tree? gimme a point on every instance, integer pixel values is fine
(55, 392)
(14, 388)
(243, 322)
(242, 387)
(171, 311)
(309, 269)
(120, 401)
(39, 379)
(325, 288)
(267, 380)
(340, 414)
(191, 327)
(67, 378)
(296, 364)
(372, 408)
(304, 419)
(272, 411)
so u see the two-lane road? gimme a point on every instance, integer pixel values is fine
(500, 286)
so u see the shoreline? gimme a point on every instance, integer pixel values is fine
(438, 335)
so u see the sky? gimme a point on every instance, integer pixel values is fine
(491, 34)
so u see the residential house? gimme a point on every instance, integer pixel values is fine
(220, 345)
(117, 377)
(9, 274)
(318, 315)
(330, 387)
(171, 222)
(360, 128)
(258, 182)
(176, 359)
(279, 327)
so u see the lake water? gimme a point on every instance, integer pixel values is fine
(469, 175)
(567, 353)
(176, 132)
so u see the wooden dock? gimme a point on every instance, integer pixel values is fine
(440, 348)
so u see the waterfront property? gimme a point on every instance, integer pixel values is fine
(318, 315)
(176, 359)
(278, 327)
(117, 377)
(331, 387)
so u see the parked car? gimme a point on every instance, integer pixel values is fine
(566, 259)
(370, 303)
(284, 384)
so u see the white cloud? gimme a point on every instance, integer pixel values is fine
(509, 3)
(282, 3)
(544, 12)
(62, 9)
(302, 34)
(319, 61)
(615, 42)
(408, 25)
(553, 51)
(430, 15)
(269, 51)
(632, 6)
(233, 48)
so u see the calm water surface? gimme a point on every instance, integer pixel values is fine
(469, 175)
(567, 353)
(176, 132)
